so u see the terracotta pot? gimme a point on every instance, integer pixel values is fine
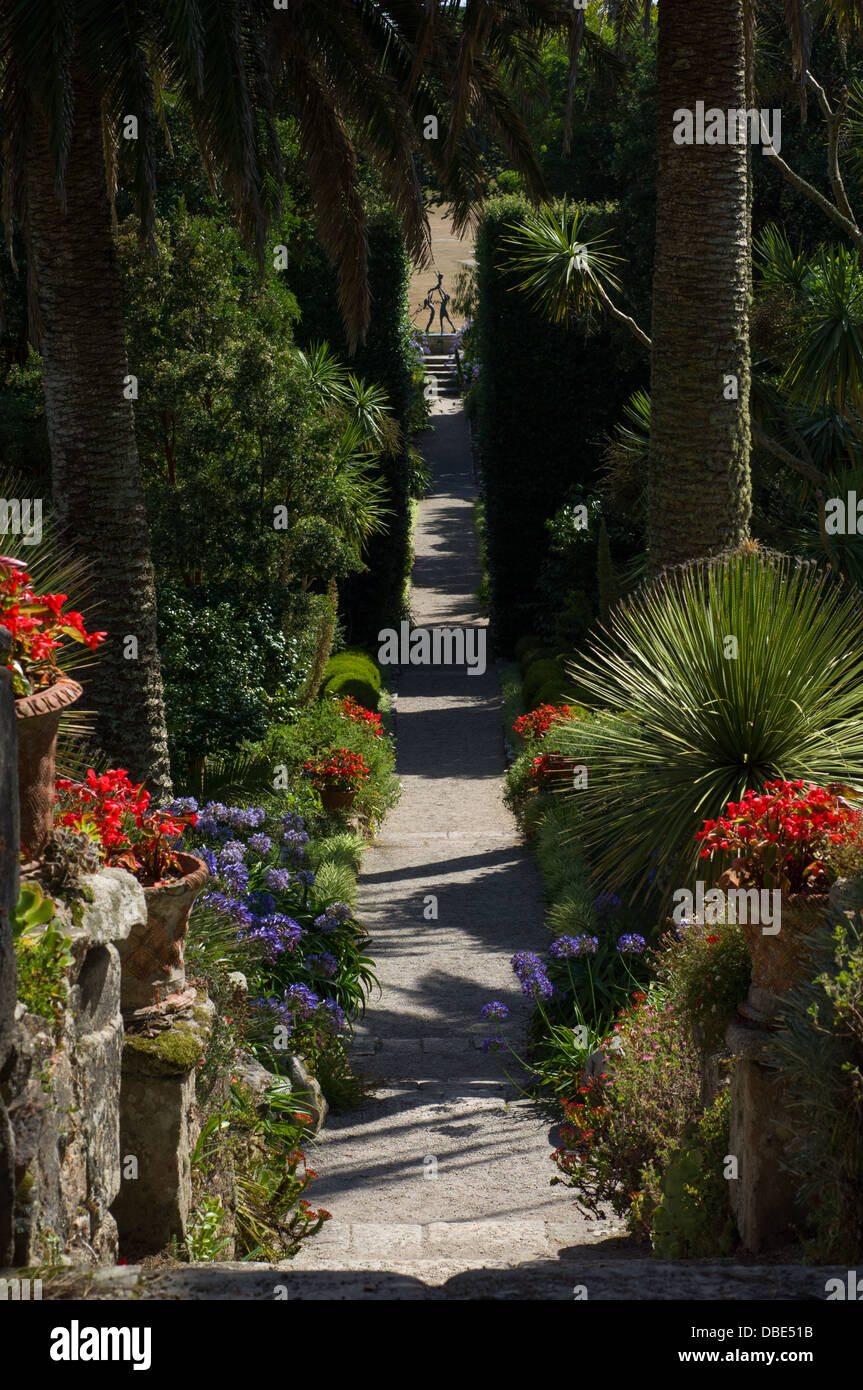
(338, 799)
(782, 961)
(153, 955)
(38, 720)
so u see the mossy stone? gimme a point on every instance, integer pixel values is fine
(168, 1054)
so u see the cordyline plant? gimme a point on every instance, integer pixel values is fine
(700, 718)
(116, 814)
(783, 837)
(39, 624)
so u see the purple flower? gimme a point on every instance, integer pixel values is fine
(245, 817)
(494, 1010)
(490, 1044)
(260, 844)
(277, 880)
(531, 973)
(183, 806)
(306, 877)
(332, 919)
(262, 903)
(336, 1014)
(236, 876)
(301, 1000)
(209, 859)
(277, 934)
(232, 853)
(566, 946)
(325, 963)
(608, 902)
(631, 944)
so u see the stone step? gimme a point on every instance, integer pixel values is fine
(467, 1244)
(589, 1275)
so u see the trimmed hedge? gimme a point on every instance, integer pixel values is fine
(547, 396)
(547, 675)
(353, 673)
(374, 599)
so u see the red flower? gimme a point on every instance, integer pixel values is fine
(38, 626)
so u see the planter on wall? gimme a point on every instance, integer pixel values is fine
(338, 798)
(782, 961)
(153, 955)
(38, 721)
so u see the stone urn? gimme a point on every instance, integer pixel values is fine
(338, 798)
(38, 721)
(780, 961)
(153, 955)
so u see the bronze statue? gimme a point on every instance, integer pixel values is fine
(428, 303)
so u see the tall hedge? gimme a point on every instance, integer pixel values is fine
(373, 599)
(548, 396)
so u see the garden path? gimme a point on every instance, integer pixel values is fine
(446, 1169)
(488, 1225)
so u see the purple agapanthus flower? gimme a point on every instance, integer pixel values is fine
(491, 1044)
(236, 876)
(494, 1010)
(531, 974)
(325, 962)
(232, 853)
(277, 880)
(565, 947)
(608, 902)
(301, 1000)
(260, 844)
(335, 915)
(336, 1014)
(630, 944)
(209, 859)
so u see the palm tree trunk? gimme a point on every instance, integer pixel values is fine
(699, 497)
(98, 496)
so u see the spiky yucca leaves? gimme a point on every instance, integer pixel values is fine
(698, 724)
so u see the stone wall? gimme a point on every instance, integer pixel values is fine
(62, 1092)
(9, 838)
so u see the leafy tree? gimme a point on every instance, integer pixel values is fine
(83, 87)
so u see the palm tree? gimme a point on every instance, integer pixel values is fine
(82, 99)
(699, 498)
(699, 495)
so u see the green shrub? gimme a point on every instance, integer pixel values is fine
(43, 962)
(528, 408)
(353, 672)
(701, 725)
(342, 848)
(335, 883)
(692, 1220)
(536, 651)
(544, 675)
(707, 969)
(228, 670)
(320, 727)
(373, 599)
(635, 1115)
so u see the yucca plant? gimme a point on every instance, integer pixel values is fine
(721, 674)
